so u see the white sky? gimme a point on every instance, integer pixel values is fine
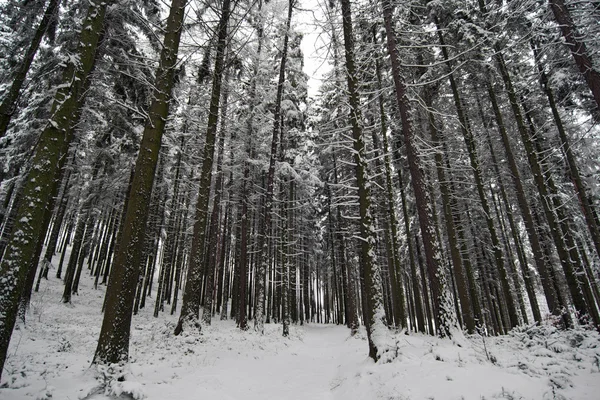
(314, 44)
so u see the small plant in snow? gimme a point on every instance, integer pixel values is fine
(555, 395)
(113, 379)
(508, 395)
(491, 358)
(39, 306)
(45, 394)
(64, 345)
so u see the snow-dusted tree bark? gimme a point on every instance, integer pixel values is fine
(113, 344)
(7, 107)
(469, 139)
(190, 307)
(396, 268)
(457, 261)
(379, 346)
(524, 266)
(41, 183)
(215, 225)
(56, 227)
(264, 235)
(582, 192)
(577, 47)
(542, 186)
(173, 228)
(530, 228)
(442, 306)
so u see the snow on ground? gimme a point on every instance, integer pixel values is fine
(49, 358)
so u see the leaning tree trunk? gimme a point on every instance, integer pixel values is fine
(379, 348)
(527, 275)
(190, 307)
(442, 305)
(41, 184)
(532, 234)
(7, 108)
(477, 174)
(541, 184)
(264, 236)
(577, 47)
(582, 192)
(113, 344)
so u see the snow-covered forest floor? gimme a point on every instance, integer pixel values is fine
(50, 356)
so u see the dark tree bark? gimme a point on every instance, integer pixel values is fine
(214, 225)
(527, 276)
(56, 227)
(469, 139)
(442, 305)
(113, 344)
(41, 185)
(375, 314)
(264, 237)
(582, 192)
(7, 108)
(396, 270)
(466, 311)
(543, 190)
(577, 47)
(530, 227)
(190, 307)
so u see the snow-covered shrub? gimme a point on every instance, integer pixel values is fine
(117, 381)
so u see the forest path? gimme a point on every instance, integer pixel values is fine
(305, 367)
(305, 370)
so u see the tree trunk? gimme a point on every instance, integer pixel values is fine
(214, 225)
(577, 47)
(466, 311)
(265, 235)
(527, 276)
(113, 344)
(396, 271)
(477, 174)
(542, 188)
(54, 234)
(40, 185)
(442, 305)
(190, 308)
(376, 322)
(7, 108)
(582, 192)
(530, 227)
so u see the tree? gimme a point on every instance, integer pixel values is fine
(41, 184)
(190, 307)
(379, 348)
(113, 344)
(7, 107)
(266, 228)
(577, 47)
(443, 311)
